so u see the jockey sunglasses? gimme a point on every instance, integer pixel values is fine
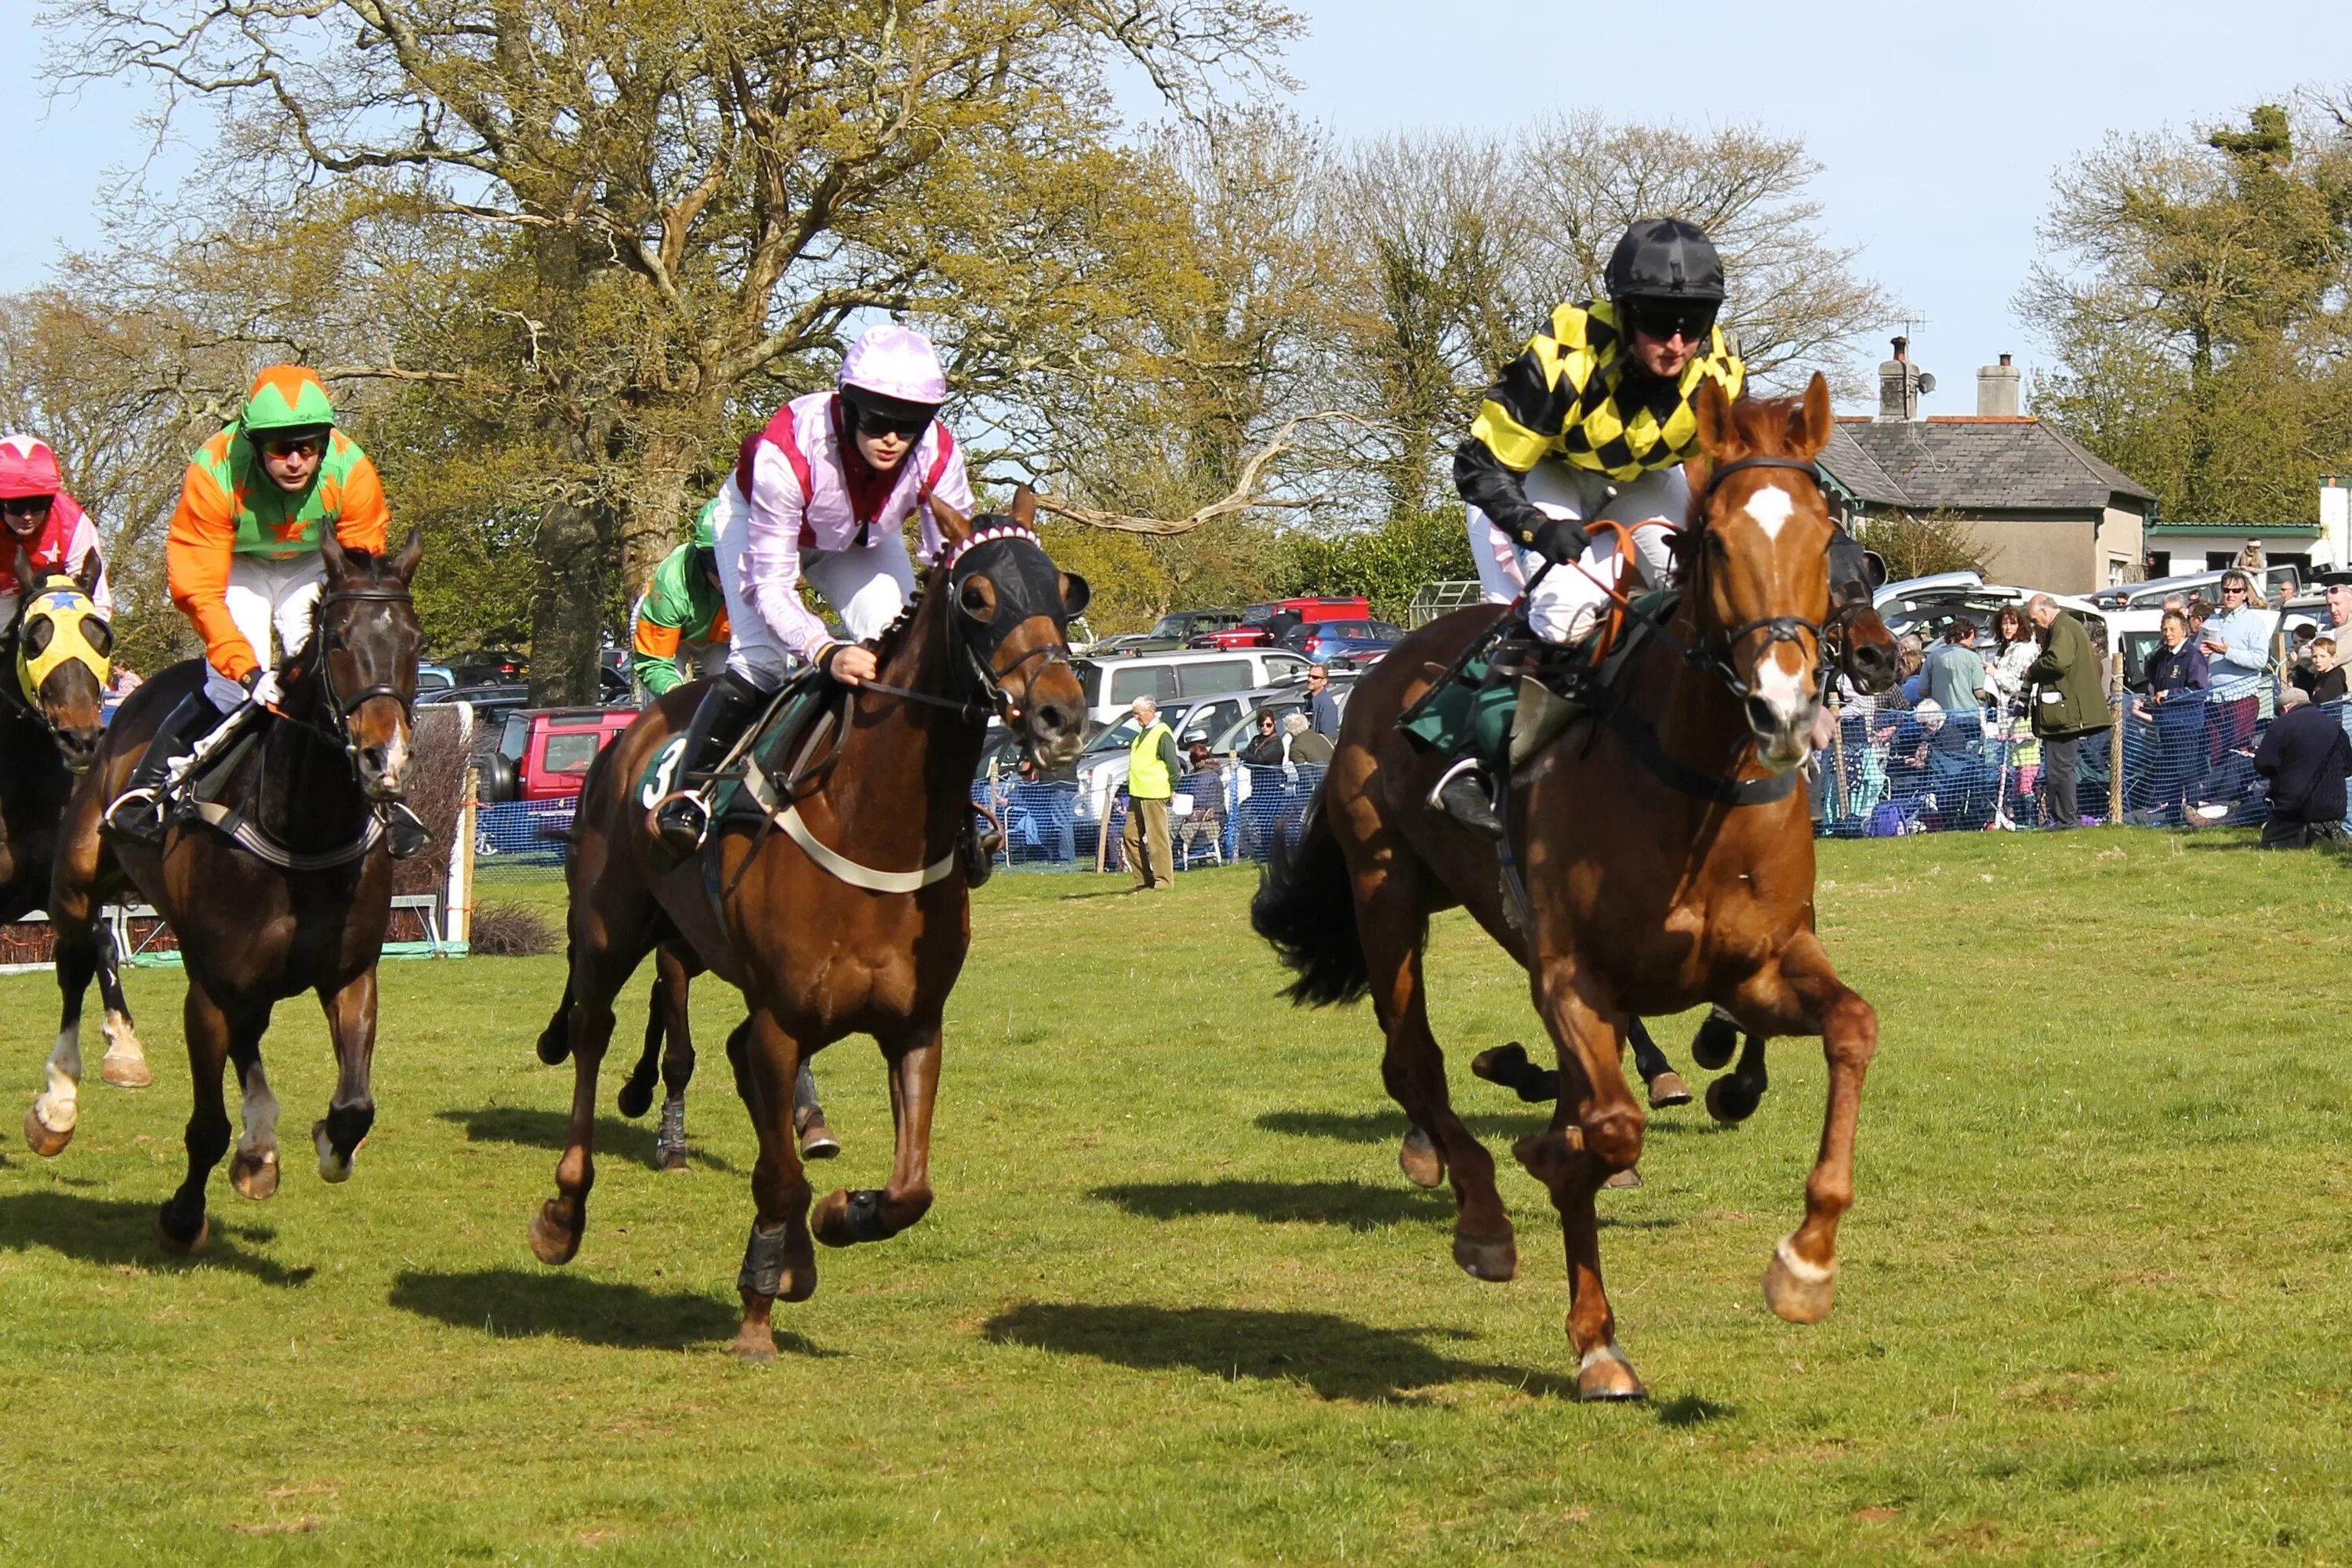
(878, 423)
(1663, 319)
(284, 447)
(27, 506)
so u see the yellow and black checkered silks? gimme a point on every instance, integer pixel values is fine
(1564, 397)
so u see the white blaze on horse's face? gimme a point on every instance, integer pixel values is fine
(1771, 507)
(1781, 679)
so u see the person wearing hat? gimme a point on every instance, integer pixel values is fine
(680, 621)
(2337, 622)
(243, 561)
(2306, 756)
(1592, 422)
(44, 533)
(821, 494)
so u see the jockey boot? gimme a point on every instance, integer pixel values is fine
(1467, 795)
(141, 813)
(405, 829)
(684, 818)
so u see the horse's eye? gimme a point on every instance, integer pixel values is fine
(37, 633)
(99, 636)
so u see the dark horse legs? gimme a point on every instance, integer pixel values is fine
(779, 1258)
(351, 1019)
(213, 1034)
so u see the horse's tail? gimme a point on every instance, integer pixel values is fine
(1306, 909)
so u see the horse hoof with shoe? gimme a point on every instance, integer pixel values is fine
(254, 1175)
(1623, 1181)
(1800, 1291)
(1605, 1374)
(47, 1142)
(1668, 1091)
(553, 1241)
(1493, 1258)
(1418, 1158)
(125, 1066)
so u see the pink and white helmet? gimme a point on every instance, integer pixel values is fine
(898, 362)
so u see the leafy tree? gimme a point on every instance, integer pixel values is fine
(1915, 545)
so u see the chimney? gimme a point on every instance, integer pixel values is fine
(1900, 385)
(1996, 390)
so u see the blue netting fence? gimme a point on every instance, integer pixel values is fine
(2188, 761)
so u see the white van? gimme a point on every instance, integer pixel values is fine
(1113, 682)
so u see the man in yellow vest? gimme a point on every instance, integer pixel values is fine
(1152, 769)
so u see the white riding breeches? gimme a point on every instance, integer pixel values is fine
(262, 596)
(1567, 601)
(867, 588)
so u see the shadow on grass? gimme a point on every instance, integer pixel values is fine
(110, 1231)
(528, 1127)
(1352, 1204)
(515, 1303)
(1338, 1358)
(1388, 1126)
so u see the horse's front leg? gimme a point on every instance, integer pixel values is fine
(56, 1111)
(1803, 989)
(1734, 1097)
(181, 1226)
(351, 1019)
(779, 1259)
(878, 1213)
(1595, 1132)
(125, 1063)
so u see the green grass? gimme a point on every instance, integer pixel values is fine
(1175, 1304)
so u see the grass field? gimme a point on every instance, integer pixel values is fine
(1175, 1304)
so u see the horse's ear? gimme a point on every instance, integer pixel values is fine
(1809, 422)
(1024, 507)
(330, 551)
(1716, 430)
(954, 527)
(404, 565)
(86, 577)
(1075, 596)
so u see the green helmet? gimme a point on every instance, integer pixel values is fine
(286, 397)
(706, 526)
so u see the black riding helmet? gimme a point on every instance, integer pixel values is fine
(1665, 271)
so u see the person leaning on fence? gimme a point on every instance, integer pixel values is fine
(2306, 756)
(2177, 683)
(1307, 747)
(2237, 644)
(1152, 769)
(2067, 705)
(1204, 824)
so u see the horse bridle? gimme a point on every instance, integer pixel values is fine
(1000, 702)
(1776, 630)
(340, 707)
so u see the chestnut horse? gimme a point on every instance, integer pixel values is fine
(56, 656)
(847, 913)
(291, 894)
(1668, 861)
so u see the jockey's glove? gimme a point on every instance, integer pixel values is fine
(1559, 539)
(262, 688)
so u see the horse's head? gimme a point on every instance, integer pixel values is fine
(1012, 608)
(62, 648)
(363, 650)
(1759, 535)
(1865, 649)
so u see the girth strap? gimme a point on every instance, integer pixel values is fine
(255, 842)
(855, 875)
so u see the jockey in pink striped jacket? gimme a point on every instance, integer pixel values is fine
(822, 494)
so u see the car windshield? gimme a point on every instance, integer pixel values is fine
(1173, 626)
(1118, 737)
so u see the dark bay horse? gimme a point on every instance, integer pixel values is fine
(292, 894)
(847, 913)
(1668, 861)
(51, 717)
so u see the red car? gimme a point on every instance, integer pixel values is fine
(1253, 632)
(543, 752)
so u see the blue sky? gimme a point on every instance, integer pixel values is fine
(1938, 126)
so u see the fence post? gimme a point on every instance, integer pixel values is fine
(457, 906)
(2116, 743)
(1837, 755)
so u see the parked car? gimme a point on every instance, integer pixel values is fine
(2279, 582)
(1345, 642)
(490, 669)
(434, 677)
(1179, 628)
(543, 752)
(1113, 681)
(1255, 630)
(1924, 607)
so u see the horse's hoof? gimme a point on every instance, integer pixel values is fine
(253, 1176)
(174, 1246)
(1800, 1291)
(1605, 1373)
(1732, 1101)
(1418, 1158)
(552, 1242)
(47, 1142)
(1668, 1089)
(817, 1142)
(1494, 1258)
(1631, 1176)
(1716, 1038)
(635, 1099)
(755, 1345)
(669, 1157)
(554, 1047)
(125, 1068)
(333, 1165)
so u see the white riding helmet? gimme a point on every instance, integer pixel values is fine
(896, 362)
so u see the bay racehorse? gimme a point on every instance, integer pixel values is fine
(1668, 861)
(846, 911)
(51, 717)
(284, 886)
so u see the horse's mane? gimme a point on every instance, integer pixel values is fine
(306, 662)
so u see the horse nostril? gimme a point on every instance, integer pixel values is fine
(1050, 717)
(1761, 716)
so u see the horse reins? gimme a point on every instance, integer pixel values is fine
(339, 733)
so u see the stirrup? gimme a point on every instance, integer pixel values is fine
(1462, 794)
(682, 821)
(146, 821)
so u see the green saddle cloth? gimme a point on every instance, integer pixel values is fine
(779, 729)
(1470, 715)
